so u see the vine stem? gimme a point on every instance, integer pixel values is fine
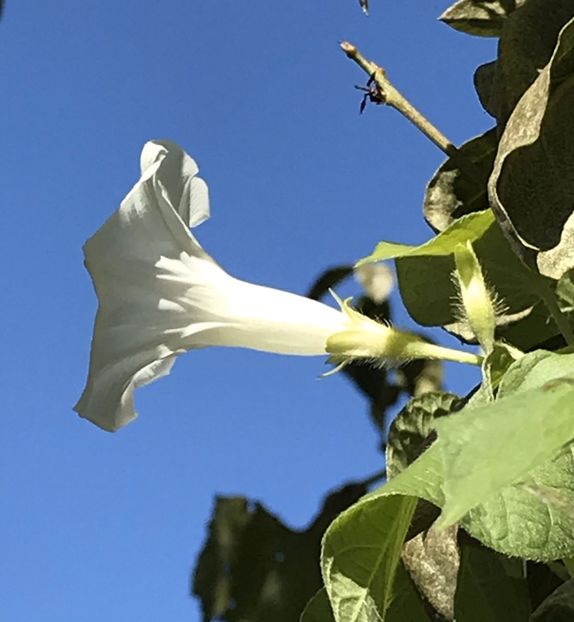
(389, 95)
(561, 321)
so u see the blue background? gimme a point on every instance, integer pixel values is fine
(95, 526)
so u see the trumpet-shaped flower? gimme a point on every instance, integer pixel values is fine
(160, 294)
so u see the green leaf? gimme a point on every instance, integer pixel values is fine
(406, 605)
(533, 181)
(490, 586)
(411, 431)
(483, 18)
(534, 370)
(558, 607)
(361, 552)
(494, 368)
(526, 45)
(513, 441)
(488, 448)
(450, 193)
(466, 229)
(318, 609)
(255, 568)
(484, 78)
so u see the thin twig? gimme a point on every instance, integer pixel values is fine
(389, 95)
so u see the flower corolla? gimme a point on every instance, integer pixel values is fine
(160, 294)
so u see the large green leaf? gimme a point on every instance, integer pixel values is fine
(451, 193)
(484, 18)
(490, 586)
(532, 185)
(534, 370)
(526, 44)
(488, 448)
(532, 518)
(361, 552)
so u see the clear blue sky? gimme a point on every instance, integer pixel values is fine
(96, 526)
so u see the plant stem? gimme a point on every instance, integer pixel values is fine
(390, 96)
(549, 299)
(424, 349)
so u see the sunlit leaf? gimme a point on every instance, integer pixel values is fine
(361, 552)
(466, 229)
(483, 449)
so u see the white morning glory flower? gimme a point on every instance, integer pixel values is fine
(160, 294)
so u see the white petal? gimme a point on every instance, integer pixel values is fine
(133, 341)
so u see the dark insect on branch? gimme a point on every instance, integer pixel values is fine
(372, 94)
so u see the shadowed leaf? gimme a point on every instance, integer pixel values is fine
(526, 45)
(451, 194)
(558, 607)
(490, 586)
(532, 185)
(254, 569)
(483, 18)
(484, 77)
(318, 609)
(328, 280)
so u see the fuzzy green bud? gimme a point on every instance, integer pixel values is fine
(477, 302)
